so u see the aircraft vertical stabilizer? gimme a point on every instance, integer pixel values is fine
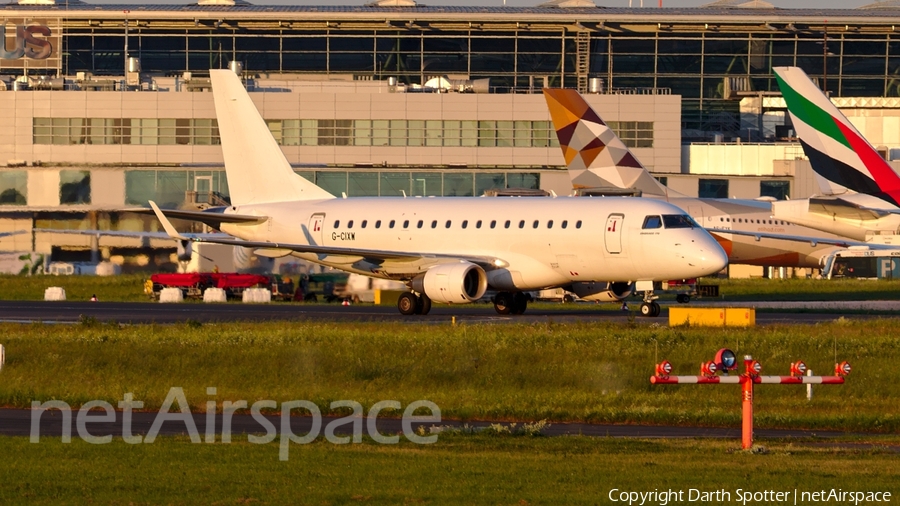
(256, 168)
(835, 148)
(595, 156)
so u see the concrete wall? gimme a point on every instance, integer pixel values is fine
(23, 106)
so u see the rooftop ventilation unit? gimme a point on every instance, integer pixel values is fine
(739, 4)
(569, 4)
(392, 3)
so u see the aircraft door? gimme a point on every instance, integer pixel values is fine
(614, 233)
(316, 228)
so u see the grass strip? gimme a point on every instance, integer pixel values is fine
(591, 372)
(474, 469)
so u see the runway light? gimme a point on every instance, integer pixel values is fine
(754, 368)
(842, 369)
(725, 360)
(708, 368)
(663, 368)
(798, 368)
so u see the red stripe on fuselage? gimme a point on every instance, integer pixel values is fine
(884, 175)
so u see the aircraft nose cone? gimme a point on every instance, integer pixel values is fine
(711, 258)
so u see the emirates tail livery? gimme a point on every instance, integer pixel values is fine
(863, 189)
(448, 250)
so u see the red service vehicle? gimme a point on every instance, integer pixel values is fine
(192, 284)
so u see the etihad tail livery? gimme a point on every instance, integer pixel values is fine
(838, 153)
(447, 250)
(596, 157)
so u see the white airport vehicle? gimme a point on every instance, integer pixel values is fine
(447, 250)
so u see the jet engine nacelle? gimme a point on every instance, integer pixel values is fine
(602, 291)
(452, 283)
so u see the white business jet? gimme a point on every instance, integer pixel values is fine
(448, 250)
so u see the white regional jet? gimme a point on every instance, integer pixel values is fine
(448, 250)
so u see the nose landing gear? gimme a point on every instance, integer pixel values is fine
(650, 307)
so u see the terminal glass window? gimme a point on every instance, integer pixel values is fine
(634, 134)
(74, 187)
(778, 190)
(713, 189)
(13, 187)
(334, 183)
(528, 180)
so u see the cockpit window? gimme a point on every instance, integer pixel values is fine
(679, 221)
(652, 222)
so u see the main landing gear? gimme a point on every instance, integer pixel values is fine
(510, 303)
(650, 307)
(410, 303)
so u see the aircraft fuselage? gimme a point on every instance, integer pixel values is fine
(534, 242)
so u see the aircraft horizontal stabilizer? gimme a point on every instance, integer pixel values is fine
(213, 218)
(845, 209)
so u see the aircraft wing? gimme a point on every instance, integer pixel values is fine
(814, 241)
(273, 249)
(120, 233)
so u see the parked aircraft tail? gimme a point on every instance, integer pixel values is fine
(594, 155)
(256, 168)
(835, 148)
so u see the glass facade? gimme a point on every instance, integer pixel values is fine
(169, 188)
(778, 190)
(13, 187)
(705, 57)
(310, 132)
(74, 187)
(712, 189)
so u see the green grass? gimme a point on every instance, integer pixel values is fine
(122, 288)
(455, 470)
(802, 289)
(579, 372)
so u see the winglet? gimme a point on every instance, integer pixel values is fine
(167, 225)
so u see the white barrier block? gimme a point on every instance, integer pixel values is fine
(214, 295)
(55, 293)
(257, 296)
(171, 295)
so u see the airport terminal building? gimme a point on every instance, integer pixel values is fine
(108, 106)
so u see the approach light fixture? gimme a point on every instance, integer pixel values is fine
(708, 369)
(663, 368)
(842, 369)
(725, 360)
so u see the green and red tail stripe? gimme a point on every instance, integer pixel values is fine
(834, 146)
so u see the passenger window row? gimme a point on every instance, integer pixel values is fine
(753, 221)
(464, 224)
